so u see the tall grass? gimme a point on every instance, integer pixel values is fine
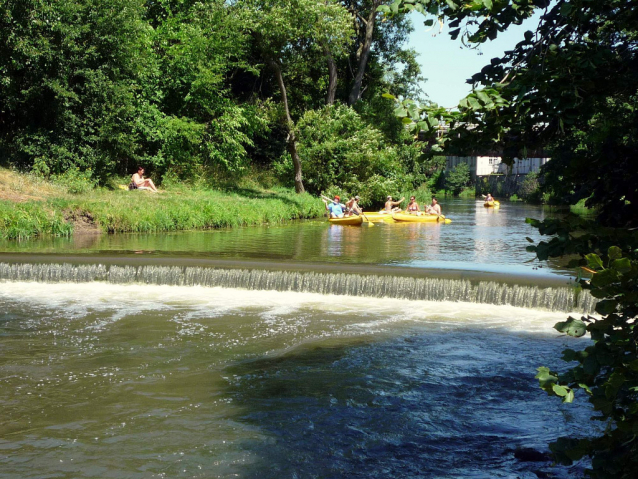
(142, 211)
(24, 220)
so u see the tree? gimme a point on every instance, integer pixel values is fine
(458, 178)
(283, 30)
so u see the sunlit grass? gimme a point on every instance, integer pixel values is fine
(180, 208)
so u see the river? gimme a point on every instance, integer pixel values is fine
(300, 350)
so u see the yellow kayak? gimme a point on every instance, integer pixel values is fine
(404, 218)
(492, 204)
(377, 217)
(348, 220)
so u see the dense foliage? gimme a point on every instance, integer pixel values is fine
(570, 86)
(341, 153)
(188, 88)
(457, 178)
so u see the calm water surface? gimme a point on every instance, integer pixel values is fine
(479, 239)
(102, 380)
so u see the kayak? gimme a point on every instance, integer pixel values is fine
(492, 204)
(404, 218)
(377, 217)
(348, 220)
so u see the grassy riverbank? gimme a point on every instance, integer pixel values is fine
(30, 206)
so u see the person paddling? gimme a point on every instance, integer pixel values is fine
(390, 206)
(489, 197)
(335, 207)
(353, 206)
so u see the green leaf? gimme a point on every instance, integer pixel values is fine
(604, 278)
(428, 23)
(623, 265)
(389, 96)
(529, 239)
(406, 120)
(484, 97)
(400, 111)
(606, 307)
(594, 261)
(572, 327)
(488, 4)
(614, 253)
(560, 390)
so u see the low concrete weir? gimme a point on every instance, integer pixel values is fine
(366, 284)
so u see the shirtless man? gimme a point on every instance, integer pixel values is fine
(138, 182)
(434, 208)
(390, 206)
(353, 205)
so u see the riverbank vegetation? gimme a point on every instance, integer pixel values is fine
(31, 206)
(91, 89)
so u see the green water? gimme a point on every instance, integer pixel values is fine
(479, 239)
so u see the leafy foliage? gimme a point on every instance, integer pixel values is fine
(458, 178)
(569, 85)
(340, 151)
(607, 371)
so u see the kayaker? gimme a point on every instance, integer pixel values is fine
(413, 207)
(352, 206)
(434, 208)
(138, 182)
(489, 197)
(335, 207)
(390, 205)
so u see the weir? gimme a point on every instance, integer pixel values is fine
(360, 285)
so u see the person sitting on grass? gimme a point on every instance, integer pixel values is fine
(413, 207)
(434, 208)
(390, 206)
(335, 207)
(138, 182)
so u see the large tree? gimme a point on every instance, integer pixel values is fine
(286, 33)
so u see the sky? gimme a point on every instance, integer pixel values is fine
(447, 64)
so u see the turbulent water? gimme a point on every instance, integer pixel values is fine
(372, 286)
(138, 381)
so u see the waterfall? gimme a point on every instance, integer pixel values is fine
(361, 285)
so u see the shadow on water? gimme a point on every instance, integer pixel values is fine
(422, 405)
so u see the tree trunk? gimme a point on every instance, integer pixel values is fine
(332, 77)
(291, 140)
(355, 93)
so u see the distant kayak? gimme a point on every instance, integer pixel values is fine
(347, 220)
(492, 204)
(406, 218)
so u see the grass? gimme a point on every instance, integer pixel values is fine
(49, 209)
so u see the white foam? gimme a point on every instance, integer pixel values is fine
(204, 302)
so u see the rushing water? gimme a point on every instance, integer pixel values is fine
(296, 351)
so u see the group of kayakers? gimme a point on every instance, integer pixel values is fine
(351, 207)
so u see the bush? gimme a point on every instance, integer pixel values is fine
(530, 188)
(340, 152)
(76, 181)
(458, 178)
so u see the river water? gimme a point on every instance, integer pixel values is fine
(160, 369)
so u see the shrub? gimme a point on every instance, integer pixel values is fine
(76, 181)
(530, 188)
(341, 152)
(458, 178)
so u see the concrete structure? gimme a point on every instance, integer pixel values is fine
(490, 165)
